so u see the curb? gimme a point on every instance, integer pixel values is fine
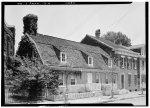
(121, 99)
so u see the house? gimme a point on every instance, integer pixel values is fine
(81, 67)
(142, 63)
(9, 42)
(123, 58)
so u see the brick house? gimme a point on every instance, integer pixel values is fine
(9, 42)
(142, 62)
(124, 59)
(82, 67)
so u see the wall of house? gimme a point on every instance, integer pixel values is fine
(126, 71)
(142, 73)
(82, 84)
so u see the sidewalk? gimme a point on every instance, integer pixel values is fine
(102, 99)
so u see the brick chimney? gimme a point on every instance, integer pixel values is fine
(97, 33)
(30, 24)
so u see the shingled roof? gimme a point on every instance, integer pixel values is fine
(47, 47)
(136, 46)
(111, 44)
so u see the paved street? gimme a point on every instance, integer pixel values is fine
(132, 97)
(134, 101)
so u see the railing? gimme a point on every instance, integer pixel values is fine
(86, 87)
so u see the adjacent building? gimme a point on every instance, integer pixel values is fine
(142, 63)
(125, 61)
(9, 42)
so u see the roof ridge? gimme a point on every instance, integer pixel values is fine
(69, 40)
(120, 47)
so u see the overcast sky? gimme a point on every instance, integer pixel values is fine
(73, 22)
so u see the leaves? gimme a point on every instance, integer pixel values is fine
(117, 38)
(28, 77)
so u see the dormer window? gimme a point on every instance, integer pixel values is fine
(90, 61)
(63, 57)
(110, 63)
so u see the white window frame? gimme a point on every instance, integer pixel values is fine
(99, 77)
(62, 78)
(129, 62)
(110, 63)
(61, 57)
(73, 76)
(142, 51)
(135, 63)
(106, 78)
(91, 61)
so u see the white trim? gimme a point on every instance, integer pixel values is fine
(135, 58)
(61, 57)
(129, 57)
(123, 64)
(122, 56)
(91, 61)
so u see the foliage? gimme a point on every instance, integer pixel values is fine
(30, 78)
(117, 38)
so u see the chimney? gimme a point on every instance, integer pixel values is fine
(30, 24)
(97, 33)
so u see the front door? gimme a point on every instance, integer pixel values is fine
(89, 77)
(122, 81)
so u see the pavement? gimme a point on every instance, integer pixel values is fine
(100, 99)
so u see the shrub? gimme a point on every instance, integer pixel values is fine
(30, 79)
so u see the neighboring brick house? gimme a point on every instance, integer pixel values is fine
(85, 65)
(142, 62)
(9, 42)
(123, 58)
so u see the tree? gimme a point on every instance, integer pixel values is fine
(30, 78)
(117, 38)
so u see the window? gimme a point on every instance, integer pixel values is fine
(122, 62)
(135, 63)
(63, 57)
(135, 80)
(97, 77)
(110, 63)
(114, 79)
(129, 80)
(106, 79)
(142, 51)
(129, 63)
(73, 79)
(142, 65)
(90, 61)
(61, 79)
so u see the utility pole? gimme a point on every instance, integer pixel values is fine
(66, 89)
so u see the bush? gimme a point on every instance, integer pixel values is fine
(31, 80)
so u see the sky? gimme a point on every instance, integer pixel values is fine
(73, 22)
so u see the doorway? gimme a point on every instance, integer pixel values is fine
(122, 81)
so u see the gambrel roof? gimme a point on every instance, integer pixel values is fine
(49, 49)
